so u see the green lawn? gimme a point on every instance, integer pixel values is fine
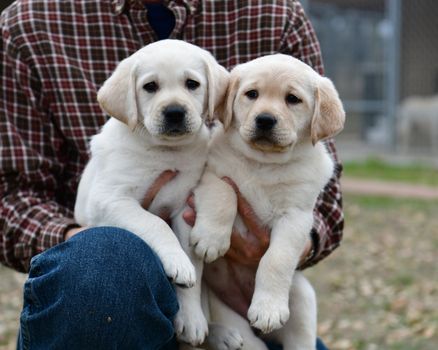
(379, 170)
(381, 202)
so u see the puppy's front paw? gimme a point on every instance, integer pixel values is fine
(190, 327)
(179, 269)
(210, 243)
(223, 338)
(268, 314)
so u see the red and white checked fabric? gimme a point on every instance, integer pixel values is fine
(56, 54)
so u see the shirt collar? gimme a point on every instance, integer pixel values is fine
(118, 6)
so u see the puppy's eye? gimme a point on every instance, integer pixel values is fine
(252, 94)
(151, 87)
(192, 84)
(293, 100)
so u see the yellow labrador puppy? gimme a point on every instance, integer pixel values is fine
(277, 111)
(159, 98)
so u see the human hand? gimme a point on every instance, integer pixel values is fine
(236, 285)
(153, 190)
(248, 249)
(158, 184)
(73, 231)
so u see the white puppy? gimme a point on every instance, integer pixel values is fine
(159, 99)
(276, 112)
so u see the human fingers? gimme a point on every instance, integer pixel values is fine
(233, 256)
(230, 182)
(191, 200)
(73, 231)
(248, 215)
(245, 251)
(189, 216)
(307, 252)
(158, 184)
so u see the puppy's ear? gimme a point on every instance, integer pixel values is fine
(329, 115)
(217, 82)
(225, 111)
(118, 96)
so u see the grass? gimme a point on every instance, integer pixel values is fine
(376, 169)
(381, 202)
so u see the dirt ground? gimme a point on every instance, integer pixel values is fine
(379, 290)
(10, 305)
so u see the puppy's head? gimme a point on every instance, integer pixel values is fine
(167, 88)
(276, 101)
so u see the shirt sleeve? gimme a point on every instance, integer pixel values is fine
(31, 220)
(328, 223)
(301, 42)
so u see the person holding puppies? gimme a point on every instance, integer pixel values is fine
(104, 288)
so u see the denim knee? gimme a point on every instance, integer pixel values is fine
(102, 289)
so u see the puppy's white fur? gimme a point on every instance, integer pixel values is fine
(281, 176)
(134, 148)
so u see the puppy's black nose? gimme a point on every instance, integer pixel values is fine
(174, 120)
(265, 122)
(174, 115)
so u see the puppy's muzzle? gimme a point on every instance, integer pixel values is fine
(264, 136)
(265, 123)
(174, 117)
(264, 128)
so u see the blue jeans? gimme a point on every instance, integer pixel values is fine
(102, 289)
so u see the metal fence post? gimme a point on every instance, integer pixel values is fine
(393, 10)
(305, 4)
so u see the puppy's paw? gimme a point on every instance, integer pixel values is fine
(190, 327)
(223, 338)
(179, 269)
(268, 314)
(210, 243)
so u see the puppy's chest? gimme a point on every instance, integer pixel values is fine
(268, 196)
(172, 196)
(272, 190)
(269, 201)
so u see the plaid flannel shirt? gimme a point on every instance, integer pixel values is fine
(56, 54)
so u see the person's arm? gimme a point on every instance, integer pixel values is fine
(301, 42)
(31, 220)
(328, 223)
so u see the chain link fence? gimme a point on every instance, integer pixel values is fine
(381, 53)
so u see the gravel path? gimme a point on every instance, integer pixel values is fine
(388, 189)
